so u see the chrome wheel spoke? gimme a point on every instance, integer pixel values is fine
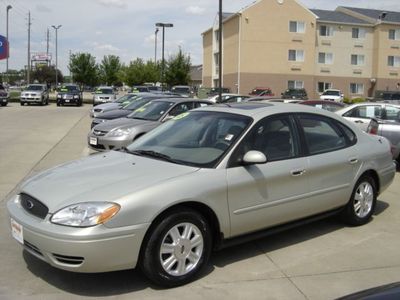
(193, 257)
(187, 231)
(357, 206)
(363, 199)
(167, 248)
(169, 263)
(181, 266)
(196, 241)
(175, 235)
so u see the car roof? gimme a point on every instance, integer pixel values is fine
(178, 100)
(309, 102)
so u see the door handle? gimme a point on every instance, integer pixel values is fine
(359, 122)
(298, 172)
(353, 160)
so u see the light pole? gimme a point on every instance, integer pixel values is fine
(163, 25)
(8, 41)
(56, 28)
(220, 51)
(155, 45)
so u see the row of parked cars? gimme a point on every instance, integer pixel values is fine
(198, 181)
(292, 93)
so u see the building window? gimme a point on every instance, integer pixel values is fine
(325, 58)
(357, 59)
(325, 30)
(356, 88)
(358, 33)
(296, 55)
(394, 61)
(322, 86)
(394, 34)
(296, 26)
(216, 34)
(295, 84)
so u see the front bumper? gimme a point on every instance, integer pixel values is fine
(86, 250)
(104, 143)
(31, 99)
(68, 101)
(3, 100)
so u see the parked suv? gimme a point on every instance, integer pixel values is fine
(183, 90)
(35, 93)
(103, 94)
(3, 96)
(69, 94)
(261, 91)
(300, 94)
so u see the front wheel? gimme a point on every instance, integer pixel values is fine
(361, 206)
(177, 248)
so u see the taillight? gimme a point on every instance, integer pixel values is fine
(373, 130)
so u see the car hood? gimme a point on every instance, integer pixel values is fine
(103, 95)
(123, 123)
(103, 177)
(69, 93)
(107, 106)
(113, 114)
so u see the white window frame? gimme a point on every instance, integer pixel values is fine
(357, 88)
(295, 84)
(298, 55)
(394, 61)
(396, 34)
(359, 59)
(328, 30)
(361, 32)
(300, 26)
(325, 58)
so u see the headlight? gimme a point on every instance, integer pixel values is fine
(58, 96)
(85, 214)
(76, 97)
(120, 132)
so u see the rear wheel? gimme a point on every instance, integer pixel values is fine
(361, 206)
(177, 248)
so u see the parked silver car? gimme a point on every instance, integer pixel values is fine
(119, 133)
(103, 94)
(208, 178)
(362, 113)
(118, 103)
(35, 93)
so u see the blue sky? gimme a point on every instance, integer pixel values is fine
(124, 27)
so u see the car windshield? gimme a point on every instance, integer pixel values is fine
(34, 88)
(69, 88)
(331, 93)
(152, 111)
(196, 138)
(135, 104)
(104, 91)
(124, 98)
(181, 89)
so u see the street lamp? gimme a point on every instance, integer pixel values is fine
(220, 51)
(8, 41)
(155, 45)
(56, 28)
(163, 25)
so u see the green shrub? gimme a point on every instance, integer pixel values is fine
(353, 100)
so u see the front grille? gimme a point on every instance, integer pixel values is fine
(99, 132)
(32, 248)
(98, 147)
(33, 206)
(68, 260)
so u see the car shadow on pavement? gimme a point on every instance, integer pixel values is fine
(123, 282)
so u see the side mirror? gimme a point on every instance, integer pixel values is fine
(167, 118)
(254, 157)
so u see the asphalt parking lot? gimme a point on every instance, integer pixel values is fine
(323, 260)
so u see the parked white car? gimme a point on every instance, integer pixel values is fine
(332, 95)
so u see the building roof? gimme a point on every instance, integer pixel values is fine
(226, 15)
(391, 16)
(337, 17)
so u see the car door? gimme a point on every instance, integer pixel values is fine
(362, 114)
(268, 194)
(332, 161)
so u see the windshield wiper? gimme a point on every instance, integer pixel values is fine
(154, 154)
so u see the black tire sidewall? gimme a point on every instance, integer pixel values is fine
(150, 260)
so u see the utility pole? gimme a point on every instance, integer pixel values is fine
(47, 46)
(28, 77)
(163, 25)
(56, 29)
(8, 41)
(220, 51)
(70, 73)
(155, 47)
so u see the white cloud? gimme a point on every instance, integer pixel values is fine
(114, 3)
(42, 8)
(98, 32)
(105, 47)
(195, 10)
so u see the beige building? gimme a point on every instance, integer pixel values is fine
(282, 44)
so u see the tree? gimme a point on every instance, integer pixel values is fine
(84, 69)
(134, 73)
(46, 74)
(178, 69)
(109, 68)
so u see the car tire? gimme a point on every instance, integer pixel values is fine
(361, 206)
(22, 103)
(58, 104)
(185, 236)
(3, 104)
